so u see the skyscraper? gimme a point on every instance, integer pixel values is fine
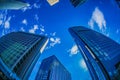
(19, 52)
(118, 3)
(76, 3)
(101, 54)
(52, 2)
(52, 69)
(12, 4)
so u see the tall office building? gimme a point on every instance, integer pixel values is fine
(101, 54)
(52, 2)
(19, 51)
(118, 3)
(76, 3)
(52, 69)
(12, 4)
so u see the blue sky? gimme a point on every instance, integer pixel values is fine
(53, 21)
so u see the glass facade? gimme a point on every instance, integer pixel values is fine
(6, 4)
(52, 69)
(19, 52)
(118, 2)
(75, 3)
(101, 53)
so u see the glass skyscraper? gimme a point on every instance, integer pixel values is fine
(52, 69)
(118, 3)
(101, 54)
(19, 52)
(52, 2)
(12, 4)
(76, 3)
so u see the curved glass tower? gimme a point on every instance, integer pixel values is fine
(76, 3)
(12, 4)
(118, 3)
(101, 54)
(19, 52)
(52, 69)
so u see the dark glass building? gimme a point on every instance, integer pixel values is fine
(19, 52)
(12, 4)
(101, 54)
(52, 69)
(76, 3)
(118, 3)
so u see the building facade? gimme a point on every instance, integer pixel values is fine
(19, 51)
(52, 2)
(101, 54)
(52, 69)
(12, 4)
(76, 3)
(118, 3)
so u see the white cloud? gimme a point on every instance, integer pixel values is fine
(4, 21)
(117, 31)
(91, 23)
(26, 8)
(98, 18)
(33, 29)
(24, 21)
(53, 34)
(74, 50)
(7, 23)
(36, 17)
(54, 41)
(83, 65)
(42, 29)
(2, 18)
(37, 5)
(1, 22)
(22, 29)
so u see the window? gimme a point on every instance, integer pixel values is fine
(118, 67)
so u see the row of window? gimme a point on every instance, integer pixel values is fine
(30, 53)
(12, 54)
(106, 49)
(3, 76)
